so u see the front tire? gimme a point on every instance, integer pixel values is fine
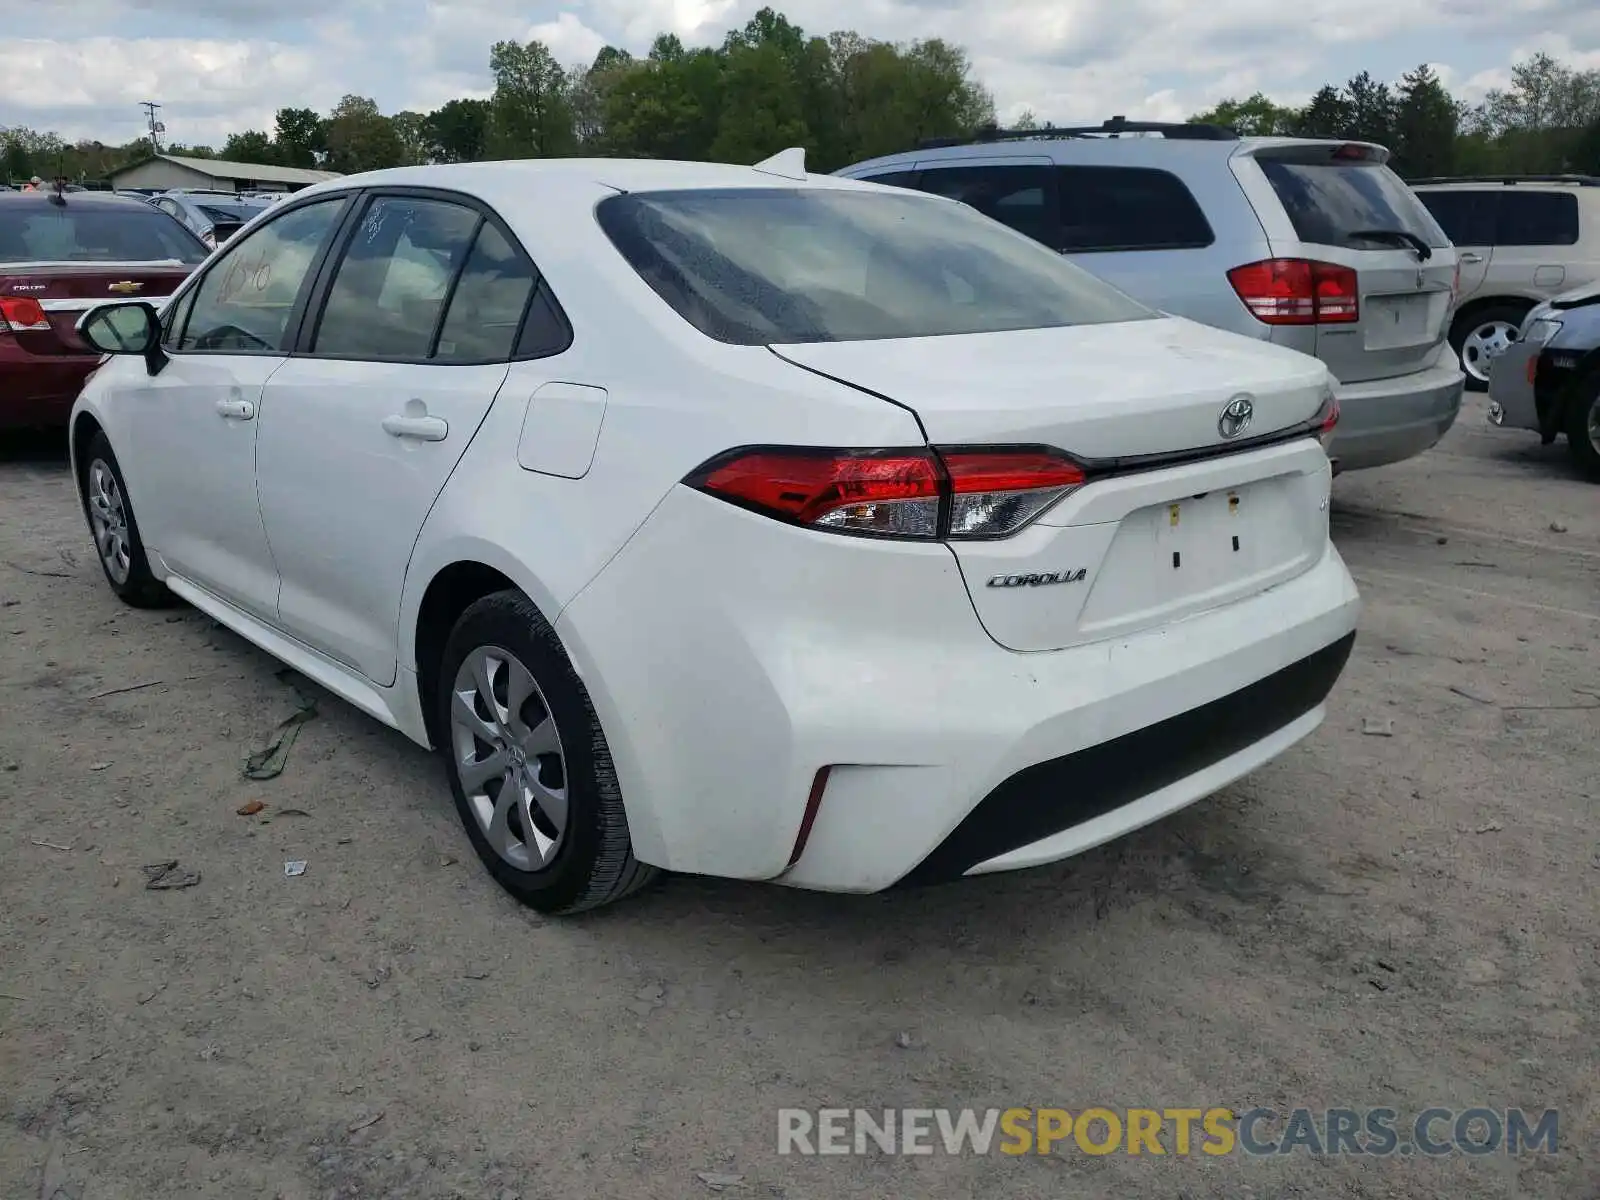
(1583, 428)
(115, 530)
(528, 762)
(1479, 333)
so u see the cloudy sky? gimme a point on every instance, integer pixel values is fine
(221, 65)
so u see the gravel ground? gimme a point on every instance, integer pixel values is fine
(1401, 911)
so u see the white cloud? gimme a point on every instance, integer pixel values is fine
(224, 65)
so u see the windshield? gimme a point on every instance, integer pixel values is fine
(1331, 203)
(236, 213)
(62, 233)
(783, 265)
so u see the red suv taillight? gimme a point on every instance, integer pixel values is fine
(1298, 291)
(917, 494)
(21, 312)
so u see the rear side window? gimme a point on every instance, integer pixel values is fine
(1335, 203)
(65, 233)
(1128, 208)
(487, 305)
(1016, 196)
(904, 179)
(1466, 216)
(1537, 219)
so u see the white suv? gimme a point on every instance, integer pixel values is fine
(729, 520)
(1522, 239)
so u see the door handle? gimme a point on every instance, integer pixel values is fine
(236, 410)
(421, 429)
(1471, 259)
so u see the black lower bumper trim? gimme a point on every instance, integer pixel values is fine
(1055, 795)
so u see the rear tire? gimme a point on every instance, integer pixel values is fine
(1583, 427)
(513, 714)
(115, 530)
(1476, 331)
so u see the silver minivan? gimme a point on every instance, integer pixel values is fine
(1307, 243)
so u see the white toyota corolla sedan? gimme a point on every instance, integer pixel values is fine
(729, 520)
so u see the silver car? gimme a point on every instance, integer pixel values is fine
(1548, 379)
(213, 217)
(1311, 244)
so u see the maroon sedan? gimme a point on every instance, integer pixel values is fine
(60, 255)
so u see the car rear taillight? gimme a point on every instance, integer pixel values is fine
(917, 494)
(1298, 291)
(1327, 419)
(21, 313)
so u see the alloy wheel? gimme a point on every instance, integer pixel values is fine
(108, 518)
(1594, 423)
(1480, 347)
(509, 758)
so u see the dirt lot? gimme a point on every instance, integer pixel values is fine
(1401, 920)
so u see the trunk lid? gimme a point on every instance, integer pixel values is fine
(1337, 200)
(1129, 550)
(67, 290)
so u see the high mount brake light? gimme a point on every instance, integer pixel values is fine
(914, 494)
(22, 312)
(1298, 291)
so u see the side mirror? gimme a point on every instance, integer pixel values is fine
(132, 328)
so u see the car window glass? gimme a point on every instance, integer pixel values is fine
(905, 179)
(487, 305)
(80, 233)
(1537, 219)
(1330, 203)
(174, 317)
(389, 289)
(756, 266)
(1127, 208)
(1014, 196)
(244, 302)
(1466, 215)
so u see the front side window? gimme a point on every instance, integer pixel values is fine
(1537, 219)
(244, 303)
(389, 291)
(774, 265)
(1015, 196)
(1128, 208)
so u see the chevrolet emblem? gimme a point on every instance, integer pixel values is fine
(126, 287)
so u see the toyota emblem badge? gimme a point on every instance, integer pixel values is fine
(1235, 418)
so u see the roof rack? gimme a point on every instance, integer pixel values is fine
(1115, 127)
(1580, 180)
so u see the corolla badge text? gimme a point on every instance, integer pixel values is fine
(1040, 579)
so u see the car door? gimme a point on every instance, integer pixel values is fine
(418, 322)
(1467, 215)
(193, 428)
(1535, 232)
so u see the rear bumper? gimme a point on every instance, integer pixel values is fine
(1384, 421)
(38, 392)
(768, 653)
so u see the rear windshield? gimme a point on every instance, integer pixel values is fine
(784, 265)
(62, 233)
(1332, 204)
(229, 214)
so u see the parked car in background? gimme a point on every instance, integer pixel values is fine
(1548, 379)
(730, 520)
(59, 256)
(1522, 239)
(1314, 245)
(213, 217)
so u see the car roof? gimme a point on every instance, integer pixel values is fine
(85, 199)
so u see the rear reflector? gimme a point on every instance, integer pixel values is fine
(917, 494)
(1327, 419)
(22, 312)
(809, 818)
(1298, 291)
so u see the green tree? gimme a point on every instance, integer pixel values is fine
(761, 105)
(530, 115)
(1328, 115)
(1372, 110)
(300, 136)
(251, 146)
(360, 138)
(456, 131)
(1425, 126)
(1255, 116)
(411, 128)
